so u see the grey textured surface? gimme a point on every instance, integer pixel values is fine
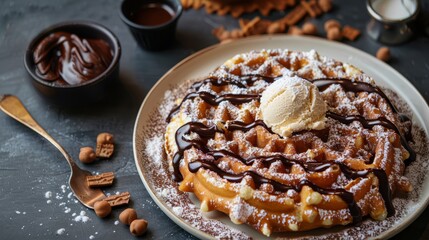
(30, 168)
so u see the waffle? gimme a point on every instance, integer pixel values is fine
(222, 151)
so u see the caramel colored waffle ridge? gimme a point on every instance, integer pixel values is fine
(222, 151)
(237, 8)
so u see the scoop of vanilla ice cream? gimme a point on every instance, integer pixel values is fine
(292, 104)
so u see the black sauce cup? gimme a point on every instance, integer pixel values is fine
(90, 91)
(156, 37)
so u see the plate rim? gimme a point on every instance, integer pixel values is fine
(200, 234)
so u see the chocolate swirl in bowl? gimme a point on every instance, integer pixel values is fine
(66, 59)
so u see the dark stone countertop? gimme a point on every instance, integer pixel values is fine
(31, 168)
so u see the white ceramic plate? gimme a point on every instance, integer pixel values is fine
(206, 60)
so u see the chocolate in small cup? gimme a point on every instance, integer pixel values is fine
(149, 23)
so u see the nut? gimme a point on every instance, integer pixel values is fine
(138, 227)
(236, 33)
(275, 27)
(332, 24)
(128, 216)
(325, 5)
(294, 30)
(383, 54)
(104, 138)
(309, 28)
(102, 208)
(334, 34)
(87, 155)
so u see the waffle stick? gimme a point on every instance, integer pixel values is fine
(239, 8)
(258, 26)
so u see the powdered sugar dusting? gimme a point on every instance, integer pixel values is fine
(81, 217)
(61, 231)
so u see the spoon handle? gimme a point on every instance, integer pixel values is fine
(13, 107)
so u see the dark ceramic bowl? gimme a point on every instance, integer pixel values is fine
(155, 37)
(91, 90)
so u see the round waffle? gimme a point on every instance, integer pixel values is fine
(223, 152)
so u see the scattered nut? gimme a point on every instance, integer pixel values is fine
(309, 28)
(87, 155)
(224, 36)
(383, 54)
(276, 27)
(138, 227)
(128, 216)
(294, 30)
(102, 208)
(332, 24)
(325, 5)
(334, 34)
(236, 33)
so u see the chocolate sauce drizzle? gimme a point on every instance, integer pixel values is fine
(322, 84)
(349, 86)
(215, 100)
(183, 144)
(347, 197)
(205, 133)
(371, 123)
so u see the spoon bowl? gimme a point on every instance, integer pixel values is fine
(13, 107)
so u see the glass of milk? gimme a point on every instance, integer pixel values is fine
(392, 20)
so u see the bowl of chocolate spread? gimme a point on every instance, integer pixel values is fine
(74, 62)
